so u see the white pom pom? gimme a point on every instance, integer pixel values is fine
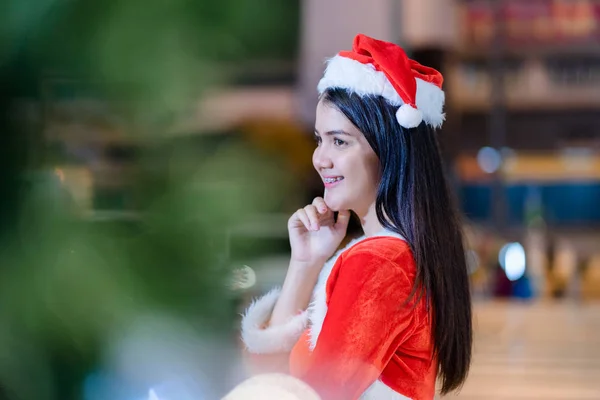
(408, 116)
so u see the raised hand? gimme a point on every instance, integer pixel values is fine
(314, 232)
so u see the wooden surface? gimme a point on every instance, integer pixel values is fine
(535, 351)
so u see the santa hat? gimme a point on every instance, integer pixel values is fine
(375, 67)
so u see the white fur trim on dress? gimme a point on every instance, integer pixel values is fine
(273, 339)
(380, 391)
(364, 79)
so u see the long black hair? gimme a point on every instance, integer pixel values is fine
(413, 199)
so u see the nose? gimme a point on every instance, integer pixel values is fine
(322, 159)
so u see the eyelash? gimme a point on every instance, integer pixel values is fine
(337, 142)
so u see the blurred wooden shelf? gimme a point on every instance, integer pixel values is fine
(476, 104)
(472, 51)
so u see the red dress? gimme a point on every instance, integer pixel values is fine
(358, 339)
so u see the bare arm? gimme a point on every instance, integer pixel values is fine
(296, 291)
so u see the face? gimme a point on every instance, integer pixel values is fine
(345, 161)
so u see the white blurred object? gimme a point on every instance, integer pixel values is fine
(513, 260)
(243, 278)
(489, 159)
(272, 387)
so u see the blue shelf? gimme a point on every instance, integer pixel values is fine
(563, 203)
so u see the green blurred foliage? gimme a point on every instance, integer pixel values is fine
(164, 51)
(68, 283)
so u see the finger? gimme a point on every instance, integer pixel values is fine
(319, 203)
(326, 214)
(313, 216)
(327, 220)
(303, 218)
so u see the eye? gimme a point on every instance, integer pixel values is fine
(339, 142)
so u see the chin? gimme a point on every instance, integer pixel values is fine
(334, 204)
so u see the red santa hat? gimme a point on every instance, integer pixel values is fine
(375, 67)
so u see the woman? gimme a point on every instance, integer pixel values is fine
(391, 312)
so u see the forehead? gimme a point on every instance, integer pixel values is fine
(329, 118)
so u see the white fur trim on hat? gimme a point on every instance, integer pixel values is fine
(430, 101)
(272, 339)
(408, 116)
(364, 79)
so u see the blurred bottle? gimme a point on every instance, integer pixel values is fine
(535, 241)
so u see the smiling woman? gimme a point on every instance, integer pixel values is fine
(389, 314)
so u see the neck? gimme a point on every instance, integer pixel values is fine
(370, 223)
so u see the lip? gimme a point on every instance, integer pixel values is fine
(329, 185)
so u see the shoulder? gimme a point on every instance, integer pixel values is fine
(391, 248)
(376, 269)
(379, 258)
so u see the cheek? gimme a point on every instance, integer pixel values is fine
(371, 171)
(376, 175)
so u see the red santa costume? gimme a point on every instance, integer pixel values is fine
(360, 338)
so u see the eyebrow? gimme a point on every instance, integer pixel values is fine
(334, 132)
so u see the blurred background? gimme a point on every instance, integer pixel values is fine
(152, 152)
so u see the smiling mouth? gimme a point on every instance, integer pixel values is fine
(332, 181)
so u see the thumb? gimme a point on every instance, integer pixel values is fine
(343, 219)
